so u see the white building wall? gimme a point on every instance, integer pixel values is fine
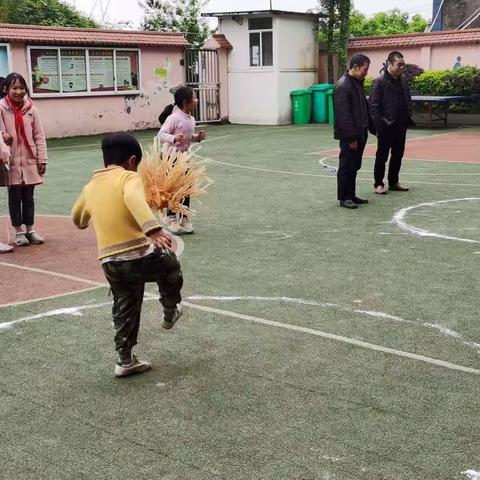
(298, 60)
(261, 95)
(252, 91)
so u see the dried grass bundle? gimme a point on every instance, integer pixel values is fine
(169, 176)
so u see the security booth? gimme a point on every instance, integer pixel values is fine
(273, 52)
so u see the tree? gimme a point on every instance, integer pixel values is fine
(335, 31)
(177, 16)
(385, 23)
(43, 12)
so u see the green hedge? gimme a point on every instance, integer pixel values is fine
(460, 81)
(367, 85)
(463, 81)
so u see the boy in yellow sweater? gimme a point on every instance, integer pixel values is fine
(132, 247)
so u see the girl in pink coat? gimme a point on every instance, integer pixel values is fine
(22, 130)
(178, 130)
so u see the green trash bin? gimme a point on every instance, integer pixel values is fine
(331, 112)
(301, 106)
(320, 102)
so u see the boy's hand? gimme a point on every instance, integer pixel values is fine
(7, 138)
(179, 137)
(201, 136)
(42, 168)
(160, 240)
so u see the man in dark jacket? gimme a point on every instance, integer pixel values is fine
(391, 108)
(352, 122)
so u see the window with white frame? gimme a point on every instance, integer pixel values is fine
(5, 68)
(63, 71)
(261, 41)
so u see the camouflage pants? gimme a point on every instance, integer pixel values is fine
(127, 281)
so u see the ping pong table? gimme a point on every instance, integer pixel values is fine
(438, 107)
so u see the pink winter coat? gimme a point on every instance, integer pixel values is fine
(23, 170)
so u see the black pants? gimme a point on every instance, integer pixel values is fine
(21, 205)
(350, 164)
(390, 140)
(127, 281)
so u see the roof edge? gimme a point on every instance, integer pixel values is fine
(19, 26)
(245, 13)
(418, 34)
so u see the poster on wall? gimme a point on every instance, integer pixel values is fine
(101, 70)
(74, 71)
(45, 75)
(127, 70)
(4, 67)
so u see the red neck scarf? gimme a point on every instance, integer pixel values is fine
(18, 111)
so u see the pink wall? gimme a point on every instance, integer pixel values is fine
(378, 57)
(70, 116)
(435, 57)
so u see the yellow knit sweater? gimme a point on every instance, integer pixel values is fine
(115, 201)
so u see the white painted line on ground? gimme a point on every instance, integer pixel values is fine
(338, 338)
(300, 174)
(299, 301)
(371, 313)
(214, 139)
(399, 219)
(285, 172)
(52, 297)
(444, 330)
(432, 160)
(334, 168)
(335, 151)
(77, 311)
(384, 316)
(53, 274)
(253, 129)
(452, 333)
(472, 474)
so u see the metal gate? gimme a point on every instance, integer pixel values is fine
(203, 75)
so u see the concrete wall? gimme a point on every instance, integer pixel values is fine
(435, 57)
(261, 95)
(70, 116)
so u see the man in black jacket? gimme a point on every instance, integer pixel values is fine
(391, 108)
(352, 122)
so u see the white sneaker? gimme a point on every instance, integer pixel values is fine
(21, 239)
(135, 366)
(174, 226)
(169, 323)
(4, 248)
(185, 226)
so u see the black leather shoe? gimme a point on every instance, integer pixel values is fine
(359, 201)
(348, 204)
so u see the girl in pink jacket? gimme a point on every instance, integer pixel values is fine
(22, 130)
(178, 130)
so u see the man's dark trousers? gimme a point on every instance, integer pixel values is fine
(127, 281)
(350, 164)
(390, 139)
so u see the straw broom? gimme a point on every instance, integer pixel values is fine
(169, 176)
